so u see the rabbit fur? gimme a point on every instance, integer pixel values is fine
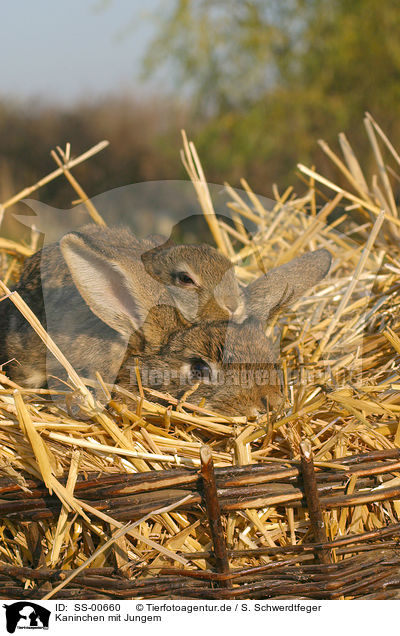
(109, 299)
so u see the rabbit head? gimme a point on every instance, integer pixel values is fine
(218, 361)
(196, 279)
(196, 276)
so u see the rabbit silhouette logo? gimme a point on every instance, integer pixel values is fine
(26, 615)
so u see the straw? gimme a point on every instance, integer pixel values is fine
(138, 454)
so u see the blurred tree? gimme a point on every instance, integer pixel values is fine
(226, 53)
(268, 79)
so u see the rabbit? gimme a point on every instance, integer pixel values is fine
(233, 364)
(196, 279)
(230, 365)
(122, 313)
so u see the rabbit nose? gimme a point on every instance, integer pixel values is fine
(236, 310)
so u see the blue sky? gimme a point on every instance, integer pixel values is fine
(71, 49)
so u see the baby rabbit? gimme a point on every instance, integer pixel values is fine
(97, 285)
(233, 364)
(111, 302)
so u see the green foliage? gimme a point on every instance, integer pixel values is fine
(268, 79)
(225, 52)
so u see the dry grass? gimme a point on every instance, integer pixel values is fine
(340, 353)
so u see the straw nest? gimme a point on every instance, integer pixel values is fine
(340, 348)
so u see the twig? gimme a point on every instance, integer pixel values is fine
(312, 498)
(63, 163)
(56, 173)
(194, 169)
(214, 513)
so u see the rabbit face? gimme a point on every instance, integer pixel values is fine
(230, 366)
(200, 280)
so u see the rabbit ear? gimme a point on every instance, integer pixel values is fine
(283, 285)
(112, 293)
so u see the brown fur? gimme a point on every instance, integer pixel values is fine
(237, 385)
(88, 339)
(113, 299)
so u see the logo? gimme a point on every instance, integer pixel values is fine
(26, 615)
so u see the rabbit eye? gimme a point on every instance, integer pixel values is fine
(199, 370)
(184, 279)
